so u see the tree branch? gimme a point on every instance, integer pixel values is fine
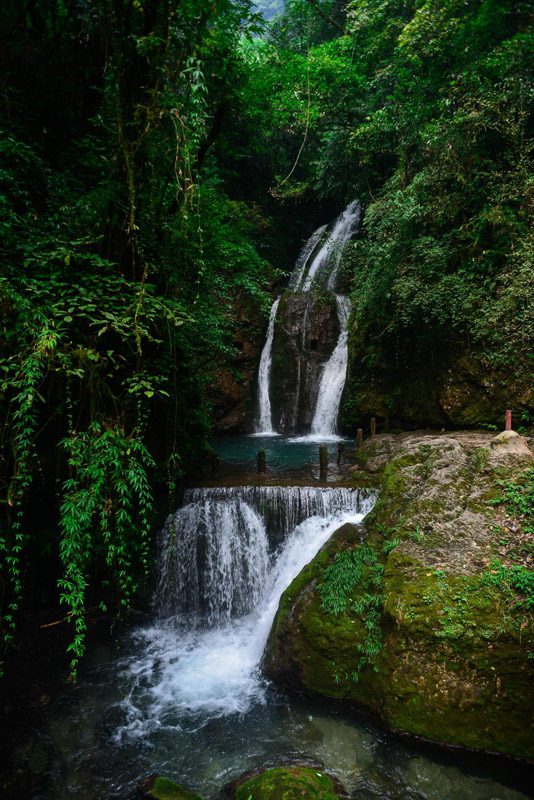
(325, 16)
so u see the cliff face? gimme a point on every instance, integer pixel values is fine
(428, 624)
(449, 387)
(232, 395)
(305, 334)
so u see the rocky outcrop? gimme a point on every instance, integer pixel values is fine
(305, 334)
(232, 394)
(291, 782)
(428, 624)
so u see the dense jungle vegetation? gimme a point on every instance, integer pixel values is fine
(161, 163)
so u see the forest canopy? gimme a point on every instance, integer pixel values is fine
(151, 155)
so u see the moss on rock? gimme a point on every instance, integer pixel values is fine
(157, 787)
(287, 783)
(455, 661)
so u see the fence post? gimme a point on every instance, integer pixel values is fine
(323, 461)
(359, 436)
(373, 427)
(508, 420)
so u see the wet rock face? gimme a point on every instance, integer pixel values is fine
(454, 388)
(454, 632)
(286, 783)
(232, 393)
(305, 334)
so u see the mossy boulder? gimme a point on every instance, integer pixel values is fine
(286, 783)
(435, 635)
(157, 787)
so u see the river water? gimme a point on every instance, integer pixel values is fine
(183, 695)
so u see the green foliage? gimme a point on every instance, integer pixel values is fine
(105, 518)
(421, 110)
(126, 269)
(518, 496)
(516, 580)
(357, 570)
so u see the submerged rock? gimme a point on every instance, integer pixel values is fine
(157, 787)
(429, 624)
(286, 783)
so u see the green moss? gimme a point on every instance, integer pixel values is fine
(161, 788)
(288, 783)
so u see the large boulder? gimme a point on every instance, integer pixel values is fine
(428, 624)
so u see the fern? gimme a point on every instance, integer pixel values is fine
(106, 508)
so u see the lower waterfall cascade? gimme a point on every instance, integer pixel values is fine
(226, 557)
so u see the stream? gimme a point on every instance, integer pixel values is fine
(184, 695)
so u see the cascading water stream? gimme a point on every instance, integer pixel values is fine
(333, 377)
(264, 424)
(203, 660)
(297, 275)
(328, 258)
(317, 265)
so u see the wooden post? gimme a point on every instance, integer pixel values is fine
(340, 451)
(323, 461)
(373, 427)
(261, 462)
(386, 423)
(508, 418)
(359, 435)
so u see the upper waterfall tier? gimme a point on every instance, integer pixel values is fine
(319, 261)
(333, 377)
(264, 421)
(304, 359)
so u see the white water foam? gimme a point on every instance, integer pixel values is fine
(184, 669)
(264, 425)
(333, 378)
(329, 255)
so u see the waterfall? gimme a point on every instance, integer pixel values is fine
(317, 265)
(333, 377)
(215, 551)
(328, 258)
(213, 561)
(304, 256)
(204, 659)
(265, 425)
